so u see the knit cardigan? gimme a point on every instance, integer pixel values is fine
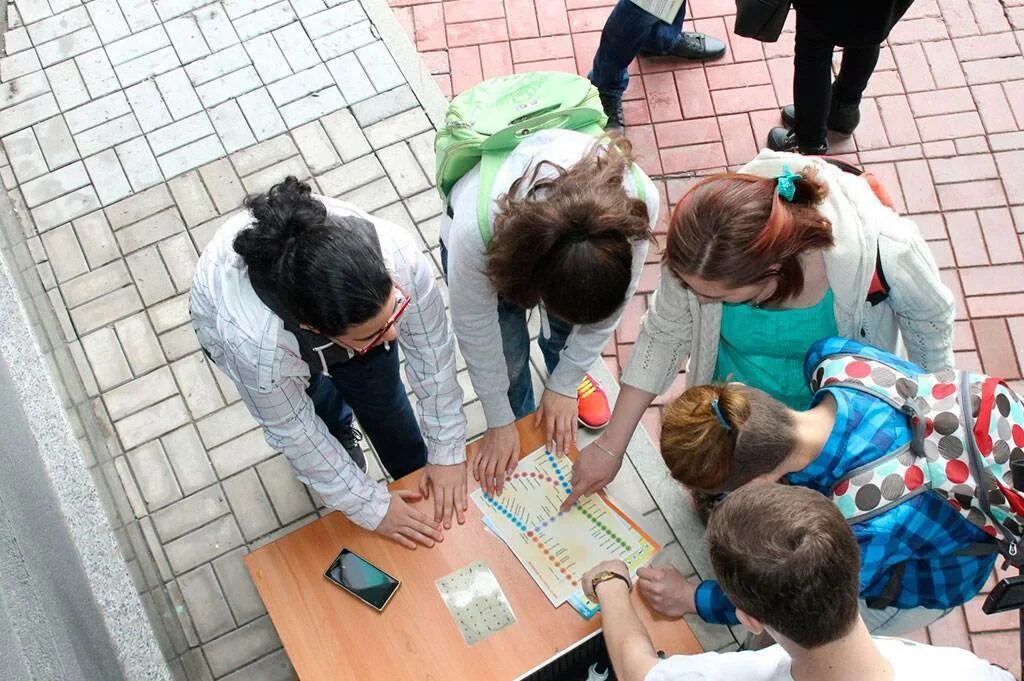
(919, 308)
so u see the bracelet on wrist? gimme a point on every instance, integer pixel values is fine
(608, 451)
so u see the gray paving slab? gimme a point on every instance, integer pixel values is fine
(130, 131)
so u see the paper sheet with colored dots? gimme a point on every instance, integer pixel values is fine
(556, 547)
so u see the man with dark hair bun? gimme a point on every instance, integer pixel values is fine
(300, 300)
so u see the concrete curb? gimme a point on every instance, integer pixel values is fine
(79, 508)
(408, 59)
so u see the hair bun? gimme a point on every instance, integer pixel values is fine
(286, 211)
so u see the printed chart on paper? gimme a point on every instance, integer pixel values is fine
(555, 547)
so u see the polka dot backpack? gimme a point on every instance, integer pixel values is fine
(967, 428)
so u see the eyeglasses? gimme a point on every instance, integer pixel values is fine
(402, 300)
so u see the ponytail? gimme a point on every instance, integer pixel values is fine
(736, 229)
(718, 437)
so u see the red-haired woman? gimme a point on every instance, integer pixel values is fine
(759, 265)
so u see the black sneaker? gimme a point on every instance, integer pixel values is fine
(612, 105)
(350, 440)
(842, 118)
(780, 139)
(691, 46)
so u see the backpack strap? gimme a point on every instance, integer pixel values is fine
(490, 163)
(878, 291)
(979, 432)
(856, 371)
(891, 590)
(872, 489)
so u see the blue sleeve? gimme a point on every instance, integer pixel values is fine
(713, 605)
(845, 346)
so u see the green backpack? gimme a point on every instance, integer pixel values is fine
(486, 122)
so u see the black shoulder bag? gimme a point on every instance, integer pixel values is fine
(761, 19)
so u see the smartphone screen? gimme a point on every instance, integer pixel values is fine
(362, 579)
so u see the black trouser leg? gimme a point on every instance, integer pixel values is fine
(812, 83)
(858, 65)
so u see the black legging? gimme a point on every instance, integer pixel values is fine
(813, 89)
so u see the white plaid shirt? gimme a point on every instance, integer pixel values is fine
(248, 342)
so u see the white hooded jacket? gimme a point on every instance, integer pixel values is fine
(919, 308)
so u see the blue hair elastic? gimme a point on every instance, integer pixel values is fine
(721, 417)
(787, 183)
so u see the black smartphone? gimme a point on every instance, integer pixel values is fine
(362, 579)
(1008, 595)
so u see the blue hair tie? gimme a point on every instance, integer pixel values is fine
(786, 183)
(721, 417)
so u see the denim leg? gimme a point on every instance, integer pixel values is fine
(373, 388)
(515, 343)
(329, 405)
(551, 347)
(625, 32)
(662, 37)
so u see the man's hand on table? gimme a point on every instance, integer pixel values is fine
(407, 526)
(499, 454)
(667, 591)
(448, 484)
(557, 415)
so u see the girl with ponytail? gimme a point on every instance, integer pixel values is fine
(919, 555)
(760, 264)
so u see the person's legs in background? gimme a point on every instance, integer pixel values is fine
(624, 33)
(373, 388)
(812, 87)
(854, 73)
(336, 415)
(629, 31)
(839, 109)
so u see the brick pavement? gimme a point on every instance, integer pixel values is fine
(943, 126)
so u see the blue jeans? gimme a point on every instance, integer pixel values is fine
(627, 31)
(371, 387)
(515, 345)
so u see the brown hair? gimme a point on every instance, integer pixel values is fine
(568, 240)
(704, 455)
(786, 556)
(734, 229)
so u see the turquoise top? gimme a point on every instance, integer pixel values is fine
(765, 348)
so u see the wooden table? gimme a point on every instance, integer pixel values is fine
(331, 636)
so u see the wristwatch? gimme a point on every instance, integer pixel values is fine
(604, 576)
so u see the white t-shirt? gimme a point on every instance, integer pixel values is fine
(910, 661)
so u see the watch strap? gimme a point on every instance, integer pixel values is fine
(606, 575)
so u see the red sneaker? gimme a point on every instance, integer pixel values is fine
(592, 404)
